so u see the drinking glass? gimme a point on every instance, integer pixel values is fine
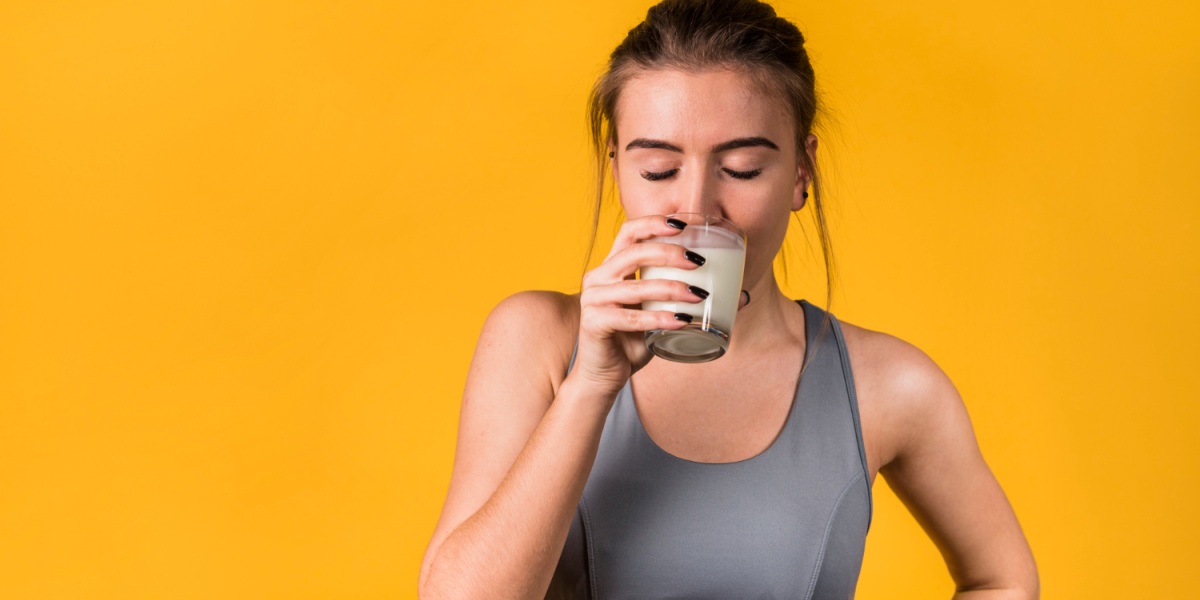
(723, 246)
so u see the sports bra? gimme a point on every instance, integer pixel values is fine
(790, 522)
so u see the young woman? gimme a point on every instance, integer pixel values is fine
(586, 469)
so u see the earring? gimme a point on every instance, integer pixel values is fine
(612, 154)
(805, 196)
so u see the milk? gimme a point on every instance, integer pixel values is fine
(721, 276)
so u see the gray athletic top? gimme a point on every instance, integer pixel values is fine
(790, 522)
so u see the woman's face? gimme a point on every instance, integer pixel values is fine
(710, 142)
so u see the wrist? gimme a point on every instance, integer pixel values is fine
(587, 392)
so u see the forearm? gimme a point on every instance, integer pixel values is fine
(510, 546)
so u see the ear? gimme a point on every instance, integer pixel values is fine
(615, 171)
(612, 161)
(804, 178)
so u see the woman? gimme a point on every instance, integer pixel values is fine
(586, 469)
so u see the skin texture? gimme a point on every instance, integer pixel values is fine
(528, 435)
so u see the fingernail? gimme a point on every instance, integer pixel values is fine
(698, 291)
(676, 223)
(696, 258)
(747, 296)
(686, 318)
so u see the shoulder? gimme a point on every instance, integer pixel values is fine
(534, 307)
(902, 393)
(884, 360)
(535, 329)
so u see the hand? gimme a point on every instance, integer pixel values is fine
(612, 325)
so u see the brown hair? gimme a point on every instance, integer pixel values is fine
(694, 35)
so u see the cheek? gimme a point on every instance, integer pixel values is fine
(633, 203)
(766, 223)
(766, 239)
(636, 198)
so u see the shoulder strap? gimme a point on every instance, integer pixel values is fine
(817, 318)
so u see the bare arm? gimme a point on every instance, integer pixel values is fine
(523, 456)
(526, 443)
(937, 470)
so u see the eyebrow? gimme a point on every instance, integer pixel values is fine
(746, 142)
(653, 144)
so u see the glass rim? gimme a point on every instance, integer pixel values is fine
(725, 222)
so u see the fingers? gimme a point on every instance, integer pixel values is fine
(601, 321)
(644, 228)
(610, 295)
(622, 265)
(633, 292)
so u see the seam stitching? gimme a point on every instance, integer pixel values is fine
(852, 397)
(591, 555)
(816, 574)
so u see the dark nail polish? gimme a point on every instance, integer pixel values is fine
(676, 223)
(698, 291)
(696, 258)
(686, 318)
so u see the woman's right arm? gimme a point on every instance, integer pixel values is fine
(522, 459)
(527, 438)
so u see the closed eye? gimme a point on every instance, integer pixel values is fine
(742, 174)
(651, 176)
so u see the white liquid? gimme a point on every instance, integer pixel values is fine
(721, 276)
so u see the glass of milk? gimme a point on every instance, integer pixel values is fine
(723, 246)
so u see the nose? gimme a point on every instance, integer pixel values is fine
(699, 192)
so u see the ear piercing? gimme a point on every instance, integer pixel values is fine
(612, 154)
(805, 195)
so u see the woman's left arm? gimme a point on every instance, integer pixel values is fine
(936, 469)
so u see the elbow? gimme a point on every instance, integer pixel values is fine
(1032, 587)
(1029, 583)
(428, 587)
(423, 590)
(431, 591)
(1025, 586)
(439, 588)
(438, 583)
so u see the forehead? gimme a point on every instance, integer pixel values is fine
(704, 107)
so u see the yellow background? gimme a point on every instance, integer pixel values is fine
(246, 247)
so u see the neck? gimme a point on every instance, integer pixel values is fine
(769, 320)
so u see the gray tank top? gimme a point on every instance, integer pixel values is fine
(790, 522)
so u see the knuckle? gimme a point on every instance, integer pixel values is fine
(588, 322)
(628, 232)
(633, 318)
(587, 296)
(673, 253)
